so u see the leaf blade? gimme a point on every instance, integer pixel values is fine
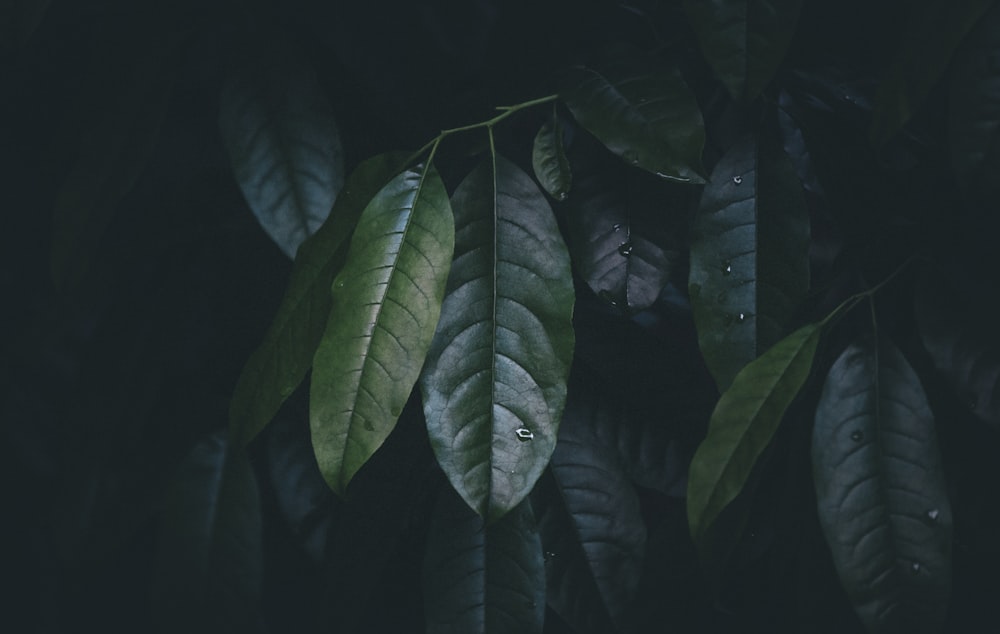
(548, 159)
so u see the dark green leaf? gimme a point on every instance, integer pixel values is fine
(281, 361)
(974, 109)
(743, 423)
(548, 158)
(386, 304)
(283, 143)
(592, 531)
(495, 382)
(647, 115)
(482, 579)
(932, 34)
(209, 558)
(881, 490)
(749, 257)
(744, 40)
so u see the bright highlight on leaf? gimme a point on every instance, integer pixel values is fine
(386, 303)
(501, 356)
(743, 423)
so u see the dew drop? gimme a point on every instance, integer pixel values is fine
(857, 435)
(741, 317)
(737, 179)
(932, 514)
(727, 268)
(616, 227)
(524, 434)
(562, 195)
(625, 249)
(631, 156)
(549, 555)
(915, 567)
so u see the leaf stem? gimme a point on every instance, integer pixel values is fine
(853, 300)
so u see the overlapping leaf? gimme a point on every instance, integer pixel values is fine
(281, 361)
(749, 257)
(744, 40)
(495, 382)
(645, 114)
(548, 159)
(386, 304)
(881, 491)
(482, 579)
(743, 423)
(284, 145)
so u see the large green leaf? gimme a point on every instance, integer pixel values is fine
(386, 304)
(495, 382)
(881, 490)
(209, 561)
(482, 579)
(592, 530)
(749, 256)
(548, 159)
(642, 112)
(974, 110)
(932, 34)
(744, 40)
(743, 423)
(281, 361)
(283, 143)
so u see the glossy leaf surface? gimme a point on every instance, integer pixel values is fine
(548, 159)
(881, 490)
(482, 579)
(283, 144)
(495, 382)
(743, 423)
(645, 114)
(386, 304)
(744, 40)
(281, 361)
(749, 257)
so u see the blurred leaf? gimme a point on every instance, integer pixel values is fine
(645, 114)
(794, 144)
(592, 531)
(548, 159)
(974, 110)
(743, 423)
(495, 381)
(744, 40)
(18, 20)
(881, 490)
(932, 34)
(209, 563)
(281, 361)
(481, 579)
(283, 143)
(749, 256)
(386, 304)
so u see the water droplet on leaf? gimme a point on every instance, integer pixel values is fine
(727, 268)
(616, 227)
(631, 156)
(857, 435)
(915, 567)
(524, 434)
(561, 195)
(625, 249)
(737, 179)
(549, 555)
(741, 317)
(933, 514)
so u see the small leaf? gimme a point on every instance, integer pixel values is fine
(881, 490)
(548, 159)
(209, 558)
(386, 303)
(482, 579)
(646, 115)
(932, 34)
(284, 145)
(743, 423)
(974, 110)
(281, 361)
(744, 40)
(495, 381)
(749, 256)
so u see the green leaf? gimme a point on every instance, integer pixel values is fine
(645, 114)
(974, 110)
(548, 159)
(495, 382)
(932, 34)
(283, 143)
(592, 531)
(281, 361)
(749, 256)
(209, 560)
(881, 492)
(744, 40)
(386, 303)
(743, 423)
(480, 579)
